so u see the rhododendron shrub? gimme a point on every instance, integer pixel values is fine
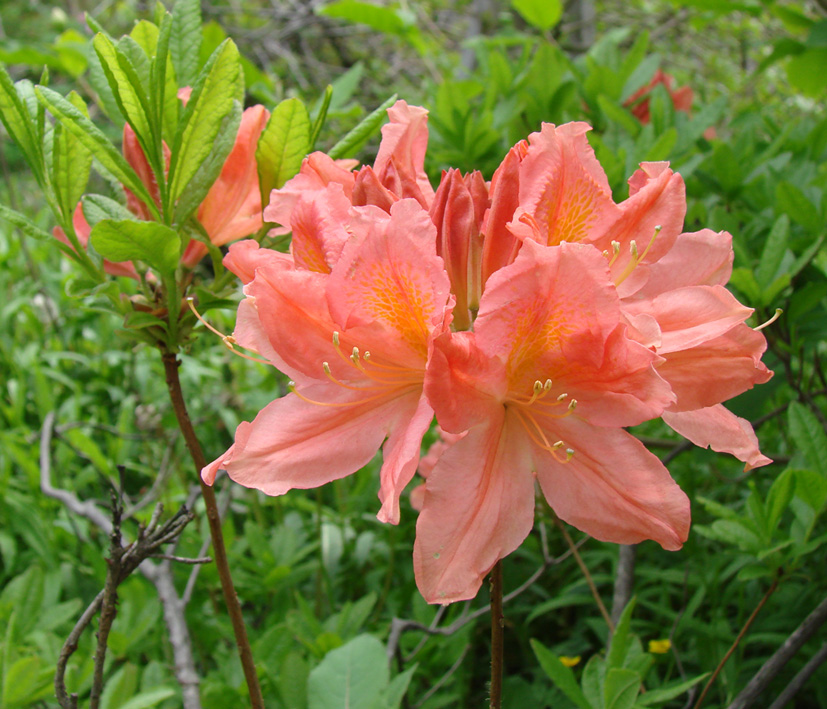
(533, 315)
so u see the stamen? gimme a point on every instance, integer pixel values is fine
(291, 386)
(615, 252)
(651, 241)
(775, 317)
(228, 340)
(572, 405)
(636, 258)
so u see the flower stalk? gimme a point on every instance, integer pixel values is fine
(171, 364)
(497, 621)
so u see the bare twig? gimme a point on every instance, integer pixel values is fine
(800, 679)
(624, 579)
(756, 686)
(600, 605)
(159, 574)
(737, 641)
(496, 593)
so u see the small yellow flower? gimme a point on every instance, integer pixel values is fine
(660, 647)
(570, 661)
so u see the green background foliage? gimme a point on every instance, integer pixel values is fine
(320, 579)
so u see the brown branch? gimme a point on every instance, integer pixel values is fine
(800, 679)
(756, 686)
(496, 592)
(176, 395)
(585, 571)
(737, 641)
(65, 700)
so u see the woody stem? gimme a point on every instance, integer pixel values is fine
(496, 636)
(171, 364)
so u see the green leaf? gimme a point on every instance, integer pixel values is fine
(620, 638)
(732, 532)
(809, 436)
(282, 146)
(127, 88)
(219, 84)
(812, 488)
(321, 115)
(358, 136)
(210, 169)
(185, 40)
(164, 97)
(394, 693)
(774, 250)
(744, 280)
(792, 201)
(19, 123)
(22, 222)
(561, 675)
(96, 207)
(91, 136)
(667, 692)
(349, 677)
(778, 498)
(382, 19)
(71, 164)
(541, 14)
(155, 244)
(618, 114)
(150, 698)
(621, 688)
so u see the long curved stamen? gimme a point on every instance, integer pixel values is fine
(355, 359)
(775, 317)
(635, 258)
(292, 388)
(228, 340)
(542, 442)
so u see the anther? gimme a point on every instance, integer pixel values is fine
(633, 249)
(569, 454)
(228, 340)
(354, 355)
(561, 397)
(326, 368)
(572, 404)
(336, 339)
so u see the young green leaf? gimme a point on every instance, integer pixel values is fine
(127, 88)
(96, 208)
(358, 136)
(665, 693)
(778, 498)
(93, 138)
(185, 40)
(282, 146)
(155, 244)
(19, 123)
(561, 675)
(220, 83)
(23, 223)
(321, 115)
(353, 675)
(209, 170)
(774, 249)
(71, 164)
(620, 638)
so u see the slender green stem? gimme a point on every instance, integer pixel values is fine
(496, 689)
(171, 364)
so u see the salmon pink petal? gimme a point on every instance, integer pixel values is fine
(392, 278)
(727, 366)
(554, 314)
(401, 458)
(134, 154)
(293, 443)
(690, 316)
(652, 217)
(244, 257)
(702, 258)
(319, 228)
(367, 189)
(564, 193)
(612, 487)
(500, 246)
(463, 383)
(318, 170)
(717, 428)
(294, 318)
(478, 508)
(232, 207)
(400, 161)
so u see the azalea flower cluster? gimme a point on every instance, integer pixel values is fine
(533, 316)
